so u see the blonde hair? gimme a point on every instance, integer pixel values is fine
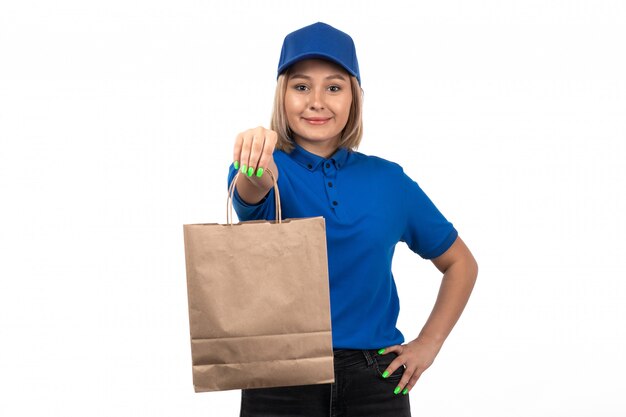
(351, 134)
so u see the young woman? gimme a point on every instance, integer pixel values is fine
(369, 205)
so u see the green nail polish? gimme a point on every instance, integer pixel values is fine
(385, 374)
(381, 351)
(405, 392)
(259, 172)
(397, 390)
(244, 168)
(236, 164)
(250, 171)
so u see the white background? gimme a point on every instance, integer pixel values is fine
(117, 120)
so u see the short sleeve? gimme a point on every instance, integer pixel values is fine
(263, 210)
(427, 232)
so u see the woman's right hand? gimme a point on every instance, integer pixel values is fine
(253, 152)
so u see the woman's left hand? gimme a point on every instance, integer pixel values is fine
(416, 356)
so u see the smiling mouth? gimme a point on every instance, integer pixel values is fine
(316, 120)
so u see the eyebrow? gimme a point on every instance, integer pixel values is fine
(330, 77)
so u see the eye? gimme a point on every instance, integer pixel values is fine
(300, 87)
(334, 88)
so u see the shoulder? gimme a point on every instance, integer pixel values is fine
(376, 163)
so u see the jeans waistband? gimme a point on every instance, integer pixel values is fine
(350, 357)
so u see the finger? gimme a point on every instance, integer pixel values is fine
(404, 381)
(255, 152)
(407, 386)
(245, 152)
(395, 348)
(237, 150)
(268, 151)
(393, 366)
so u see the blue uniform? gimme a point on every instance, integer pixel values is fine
(369, 204)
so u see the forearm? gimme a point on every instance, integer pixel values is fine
(456, 286)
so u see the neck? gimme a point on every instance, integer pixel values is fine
(323, 149)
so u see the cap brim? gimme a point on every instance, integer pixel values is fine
(311, 55)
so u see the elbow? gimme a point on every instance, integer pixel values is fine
(472, 268)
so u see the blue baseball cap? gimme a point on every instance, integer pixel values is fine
(319, 40)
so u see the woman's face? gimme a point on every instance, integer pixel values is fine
(317, 103)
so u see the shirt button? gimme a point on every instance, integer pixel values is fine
(335, 203)
(310, 166)
(330, 184)
(327, 165)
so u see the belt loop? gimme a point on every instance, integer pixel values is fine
(368, 358)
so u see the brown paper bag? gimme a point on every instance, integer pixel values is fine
(259, 305)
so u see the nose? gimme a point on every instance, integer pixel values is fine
(316, 99)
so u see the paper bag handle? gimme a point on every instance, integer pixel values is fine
(231, 190)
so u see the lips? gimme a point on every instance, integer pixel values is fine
(316, 120)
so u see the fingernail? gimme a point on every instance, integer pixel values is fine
(381, 351)
(397, 390)
(385, 374)
(405, 392)
(236, 164)
(259, 172)
(250, 171)
(243, 168)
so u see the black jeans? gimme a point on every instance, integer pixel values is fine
(359, 390)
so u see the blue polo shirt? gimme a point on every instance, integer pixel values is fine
(369, 205)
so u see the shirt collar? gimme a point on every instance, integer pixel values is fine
(311, 161)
